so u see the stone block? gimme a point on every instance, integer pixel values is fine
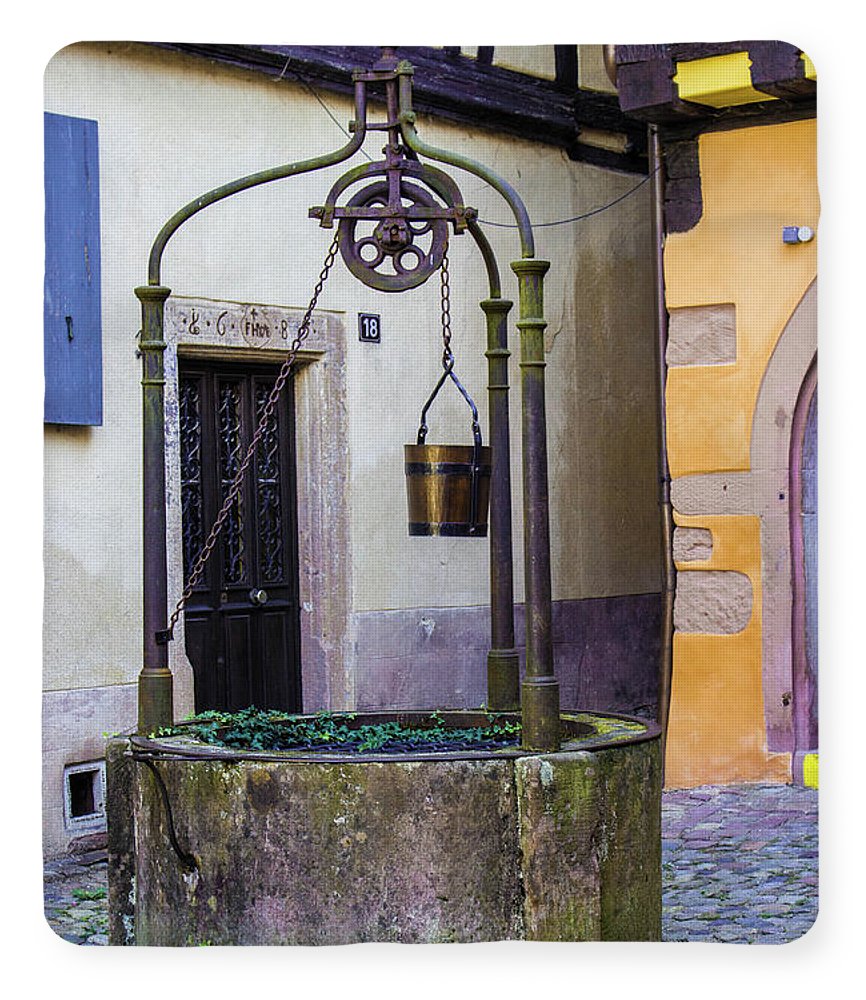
(558, 801)
(717, 602)
(120, 807)
(702, 335)
(692, 544)
(331, 854)
(591, 845)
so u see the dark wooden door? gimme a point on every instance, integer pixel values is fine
(242, 620)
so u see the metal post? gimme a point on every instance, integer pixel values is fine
(155, 702)
(503, 680)
(155, 706)
(540, 689)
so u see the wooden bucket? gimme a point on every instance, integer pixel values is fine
(448, 489)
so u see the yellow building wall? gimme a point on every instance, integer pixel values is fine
(754, 182)
(716, 727)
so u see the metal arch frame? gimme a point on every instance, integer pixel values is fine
(539, 692)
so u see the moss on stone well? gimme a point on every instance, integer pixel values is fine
(562, 846)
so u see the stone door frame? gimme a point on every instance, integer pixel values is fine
(804, 684)
(255, 332)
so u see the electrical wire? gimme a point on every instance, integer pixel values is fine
(577, 218)
(312, 90)
(484, 222)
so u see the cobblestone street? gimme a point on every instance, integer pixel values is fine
(739, 864)
(75, 891)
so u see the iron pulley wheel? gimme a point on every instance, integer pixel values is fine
(394, 240)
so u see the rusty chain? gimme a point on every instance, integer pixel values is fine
(447, 356)
(203, 556)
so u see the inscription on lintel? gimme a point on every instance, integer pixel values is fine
(237, 324)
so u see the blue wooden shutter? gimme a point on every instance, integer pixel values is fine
(73, 308)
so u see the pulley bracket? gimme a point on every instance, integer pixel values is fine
(403, 211)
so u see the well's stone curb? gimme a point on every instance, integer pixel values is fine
(721, 892)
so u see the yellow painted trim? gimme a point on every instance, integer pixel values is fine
(719, 81)
(754, 181)
(808, 67)
(716, 730)
(810, 770)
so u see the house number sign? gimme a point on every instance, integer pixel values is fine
(369, 328)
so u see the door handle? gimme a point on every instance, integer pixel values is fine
(258, 596)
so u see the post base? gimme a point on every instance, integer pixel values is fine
(503, 680)
(155, 700)
(540, 709)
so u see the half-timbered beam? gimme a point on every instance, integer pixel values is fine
(463, 89)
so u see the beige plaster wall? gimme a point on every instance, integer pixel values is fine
(540, 61)
(168, 130)
(600, 388)
(535, 60)
(171, 128)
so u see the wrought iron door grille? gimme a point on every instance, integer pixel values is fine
(230, 453)
(269, 510)
(192, 488)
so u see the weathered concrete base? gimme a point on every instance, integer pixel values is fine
(590, 837)
(555, 847)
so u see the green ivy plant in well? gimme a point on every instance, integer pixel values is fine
(257, 729)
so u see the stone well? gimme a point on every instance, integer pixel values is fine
(211, 846)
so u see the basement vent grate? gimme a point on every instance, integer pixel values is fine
(84, 796)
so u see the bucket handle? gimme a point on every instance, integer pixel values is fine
(476, 428)
(474, 476)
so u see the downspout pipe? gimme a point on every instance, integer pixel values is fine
(667, 526)
(656, 166)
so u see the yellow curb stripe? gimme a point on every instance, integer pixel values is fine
(810, 770)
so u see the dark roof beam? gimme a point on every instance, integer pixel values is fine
(462, 89)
